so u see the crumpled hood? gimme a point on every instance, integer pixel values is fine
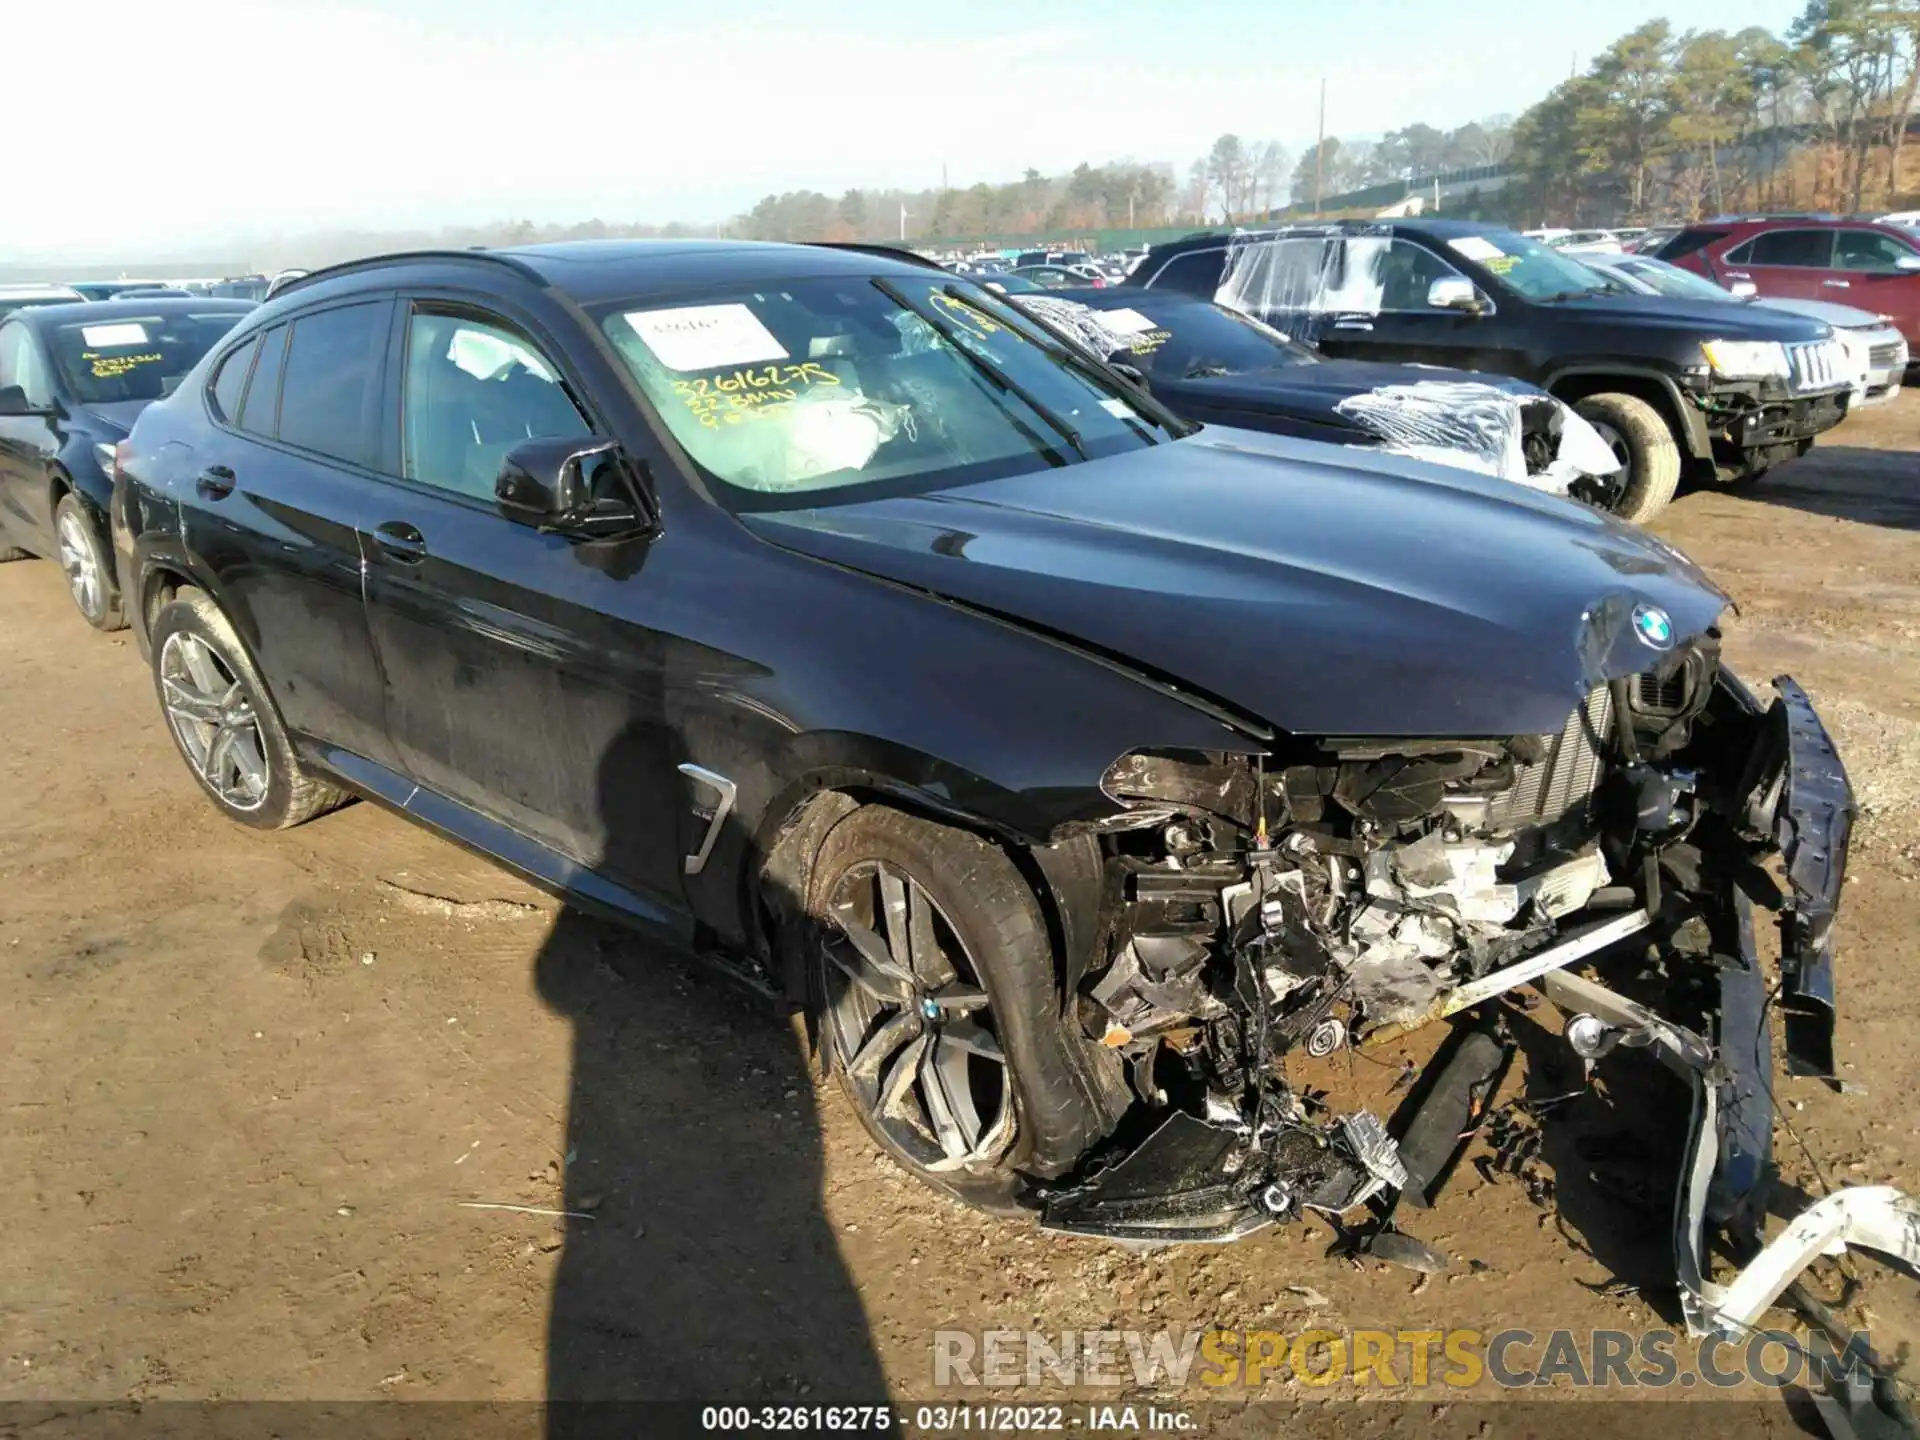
(1321, 590)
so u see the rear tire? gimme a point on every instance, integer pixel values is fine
(944, 1025)
(88, 565)
(1640, 436)
(223, 721)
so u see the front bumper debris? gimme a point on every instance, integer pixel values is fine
(1770, 423)
(1212, 1178)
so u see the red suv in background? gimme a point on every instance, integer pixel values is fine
(1860, 263)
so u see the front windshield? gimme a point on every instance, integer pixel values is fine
(1665, 279)
(800, 388)
(1173, 339)
(133, 357)
(1536, 271)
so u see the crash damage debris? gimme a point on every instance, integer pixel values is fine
(1322, 896)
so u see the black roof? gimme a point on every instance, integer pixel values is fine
(94, 312)
(594, 270)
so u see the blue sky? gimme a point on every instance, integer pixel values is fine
(247, 118)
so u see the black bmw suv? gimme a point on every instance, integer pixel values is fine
(1070, 764)
(1681, 390)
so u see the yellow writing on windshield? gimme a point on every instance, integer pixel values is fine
(975, 322)
(1149, 341)
(108, 367)
(738, 395)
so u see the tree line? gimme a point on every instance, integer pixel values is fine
(1237, 177)
(1673, 126)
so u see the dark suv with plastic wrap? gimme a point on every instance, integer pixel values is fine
(1680, 390)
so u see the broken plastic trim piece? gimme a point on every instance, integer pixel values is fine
(1813, 826)
(1871, 1217)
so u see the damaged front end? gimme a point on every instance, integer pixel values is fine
(1339, 891)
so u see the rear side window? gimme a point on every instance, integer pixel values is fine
(1688, 241)
(1195, 273)
(257, 411)
(231, 383)
(1804, 248)
(332, 369)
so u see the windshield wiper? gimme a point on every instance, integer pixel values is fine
(1068, 354)
(992, 372)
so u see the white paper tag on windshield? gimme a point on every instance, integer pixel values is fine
(1475, 248)
(706, 337)
(1126, 322)
(1119, 409)
(124, 334)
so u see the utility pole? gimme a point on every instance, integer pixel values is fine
(1320, 150)
(903, 224)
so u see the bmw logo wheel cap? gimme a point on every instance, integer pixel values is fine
(1654, 626)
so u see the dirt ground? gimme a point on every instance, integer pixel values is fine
(254, 1086)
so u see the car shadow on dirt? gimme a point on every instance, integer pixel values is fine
(1871, 487)
(699, 1264)
(1610, 1156)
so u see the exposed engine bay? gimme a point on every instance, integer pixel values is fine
(1269, 907)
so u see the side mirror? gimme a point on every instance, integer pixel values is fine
(13, 402)
(576, 486)
(1743, 289)
(1907, 262)
(1455, 292)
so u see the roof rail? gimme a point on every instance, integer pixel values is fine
(476, 253)
(885, 252)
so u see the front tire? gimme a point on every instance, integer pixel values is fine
(934, 982)
(224, 723)
(83, 555)
(1642, 440)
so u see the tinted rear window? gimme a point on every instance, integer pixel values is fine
(331, 369)
(1791, 247)
(1688, 241)
(257, 410)
(1195, 273)
(231, 383)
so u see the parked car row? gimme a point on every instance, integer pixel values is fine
(1075, 767)
(1680, 389)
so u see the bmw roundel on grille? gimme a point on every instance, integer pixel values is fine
(1653, 626)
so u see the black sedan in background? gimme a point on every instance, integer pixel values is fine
(72, 380)
(1217, 365)
(1068, 763)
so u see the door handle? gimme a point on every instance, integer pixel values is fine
(1738, 275)
(1353, 325)
(215, 483)
(1837, 284)
(401, 542)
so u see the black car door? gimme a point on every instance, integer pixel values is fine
(517, 683)
(271, 502)
(28, 443)
(1374, 305)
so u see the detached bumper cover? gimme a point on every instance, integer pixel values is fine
(1804, 802)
